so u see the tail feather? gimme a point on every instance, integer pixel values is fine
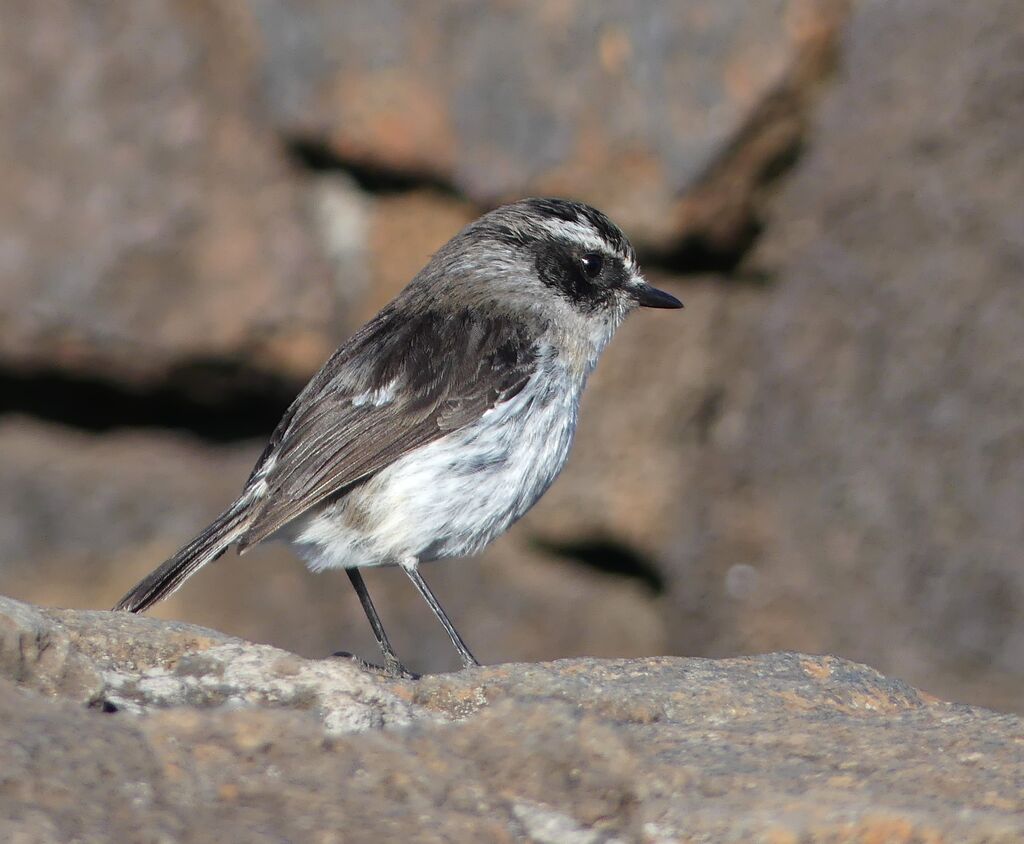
(205, 548)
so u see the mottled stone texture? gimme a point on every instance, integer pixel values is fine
(152, 217)
(624, 104)
(147, 219)
(862, 486)
(177, 733)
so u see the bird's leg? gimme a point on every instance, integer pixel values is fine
(391, 662)
(411, 566)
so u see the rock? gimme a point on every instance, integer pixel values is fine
(650, 97)
(781, 747)
(34, 653)
(863, 479)
(147, 664)
(152, 144)
(149, 220)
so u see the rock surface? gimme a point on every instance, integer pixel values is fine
(147, 220)
(649, 95)
(862, 482)
(193, 162)
(121, 728)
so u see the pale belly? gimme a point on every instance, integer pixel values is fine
(451, 497)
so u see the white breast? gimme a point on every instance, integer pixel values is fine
(454, 495)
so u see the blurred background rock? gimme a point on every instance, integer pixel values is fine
(824, 452)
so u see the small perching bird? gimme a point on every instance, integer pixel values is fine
(444, 418)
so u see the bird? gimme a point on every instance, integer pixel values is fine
(446, 417)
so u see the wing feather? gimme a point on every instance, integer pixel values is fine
(397, 385)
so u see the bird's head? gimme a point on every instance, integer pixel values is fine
(551, 256)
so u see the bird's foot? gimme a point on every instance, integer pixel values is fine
(390, 668)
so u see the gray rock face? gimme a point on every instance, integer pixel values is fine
(153, 220)
(147, 221)
(606, 101)
(217, 739)
(863, 485)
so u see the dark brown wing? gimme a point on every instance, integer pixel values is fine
(397, 385)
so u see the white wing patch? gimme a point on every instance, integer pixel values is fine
(376, 398)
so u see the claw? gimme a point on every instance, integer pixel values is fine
(390, 668)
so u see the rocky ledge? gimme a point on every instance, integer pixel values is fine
(114, 727)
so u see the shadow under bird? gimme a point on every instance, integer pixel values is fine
(444, 418)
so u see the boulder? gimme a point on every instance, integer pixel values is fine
(623, 105)
(185, 734)
(862, 483)
(149, 221)
(190, 187)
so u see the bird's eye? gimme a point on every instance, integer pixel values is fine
(592, 264)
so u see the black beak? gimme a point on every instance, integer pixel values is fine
(650, 297)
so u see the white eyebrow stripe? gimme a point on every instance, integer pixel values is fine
(582, 234)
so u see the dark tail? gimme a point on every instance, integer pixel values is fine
(205, 548)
